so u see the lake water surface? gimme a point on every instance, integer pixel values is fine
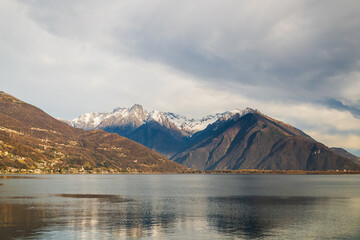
(180, 207)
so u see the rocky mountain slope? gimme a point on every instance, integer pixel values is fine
(31, 139)
(346, 154)
(256, 141)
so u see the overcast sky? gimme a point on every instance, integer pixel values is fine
(297, 61)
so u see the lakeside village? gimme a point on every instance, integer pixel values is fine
(42, 168)
(56, 167)
(62, 170)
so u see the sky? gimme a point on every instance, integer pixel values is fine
(297, 61)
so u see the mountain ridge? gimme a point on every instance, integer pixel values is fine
(237, 139)
(164, 132)
(344, 153)
(255, 141)
(94, 120)
(33, 140)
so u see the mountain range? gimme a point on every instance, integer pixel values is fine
(237, 139)
(164, 132)
(31, 139)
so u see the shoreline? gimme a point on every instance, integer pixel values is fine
(234, 172)
(284, 172)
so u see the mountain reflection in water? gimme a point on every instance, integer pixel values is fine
(161, 214)
(256, 216)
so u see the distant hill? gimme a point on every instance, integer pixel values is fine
(256, 141)
(31, 139)
(344, 153)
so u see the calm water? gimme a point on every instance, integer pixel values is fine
(180, 207)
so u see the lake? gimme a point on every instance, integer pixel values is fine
(180, 206)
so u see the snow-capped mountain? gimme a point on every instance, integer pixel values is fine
(231, 140)
(164, 132)
(137, 116)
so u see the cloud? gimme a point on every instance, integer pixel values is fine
(298, 61)
(333, 103)
(294, 46)
(297, 48)
(349, 141)
(309, 117)
(67, 77)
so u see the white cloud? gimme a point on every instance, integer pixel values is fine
(68, 77)
(312, 117)
(349, 141)
(351, 91)
(286, 58)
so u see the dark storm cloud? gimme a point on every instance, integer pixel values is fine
(333, 103)
(298, 47)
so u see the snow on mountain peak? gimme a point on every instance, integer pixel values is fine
(156, 116)
(136, 108)
(236, 112)
(88, 121)
(140, 116)
(138, 111)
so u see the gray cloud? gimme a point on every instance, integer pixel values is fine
(333, 103)
(94, 56)
(295, 46)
